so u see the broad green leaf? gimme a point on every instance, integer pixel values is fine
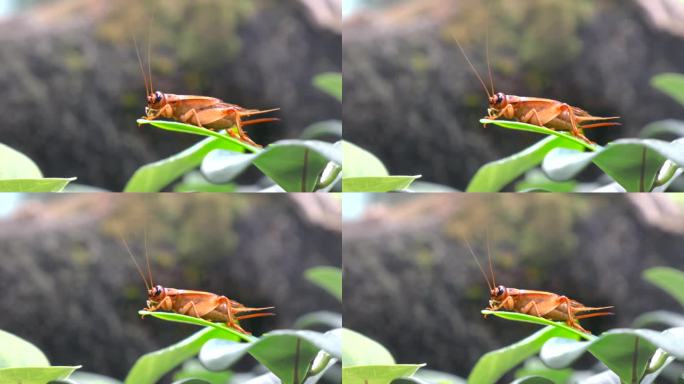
(154, 365)
(494, 364)
(34, 185)
(377, 184)
(536, 180)
(358, 162)
(191, 381)
(534, 367)
(330, 83)
(668, 279)
(155, 176)
(34, 375)
(229, 143)
(438, 377)
(195, 182)
(633, 163)
(541, 130)
(16, 165)
(194, 369)
(494, 176)
(319, 318)
(322, 129)
(671, 84)
(232, 334)
(328, 278)
(286, 353)
(295, 165)
(81, 377)
(378, 374)
(532, 380)
(663, 127)
(515, 316)
(358, 349)
(618, 349)
(670, 319)
(17, 352)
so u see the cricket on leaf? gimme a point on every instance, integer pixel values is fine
(548, 113)
(203, 305)
(543, 304)
(203, 111)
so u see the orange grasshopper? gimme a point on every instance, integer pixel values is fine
(549, 113)
(543, 304)
(203, 305)
(203, 111)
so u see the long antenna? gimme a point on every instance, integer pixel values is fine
(478, 264)
(147, 257)
(489, 256)
(471, 64)
(489, 67)
(134, 261)
(142, 70)
(149, 57)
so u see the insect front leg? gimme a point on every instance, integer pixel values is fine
(166, 111)
(166, 304)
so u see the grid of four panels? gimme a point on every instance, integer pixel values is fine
(187, 197)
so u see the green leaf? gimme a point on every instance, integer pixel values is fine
(541, 130)
(16, 165)
(232, 334)
(670, 319)
(286, 353)
(322, 129)
(360, 163)
(155, 176)
(663, 127)
(35, 375)
(633, 163)
(536, 180)
(194, 369)
(670, 83)
(532, 380)
(378, 374)
(17, 352)
(295, 165)
(377, 184)
(325, 318)
(153, 366)
(493, 365)
(358, 349)
(616, 349)
(515, 316)
(438, 377)
(81, 377)
(330, 83)
(328, 278)
(34, 185)
(534, 367)
(229, 143)
(492, 177)
(668, 279)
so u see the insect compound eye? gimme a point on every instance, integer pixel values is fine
(500, 290)
(157, 97)
(157, 290)
(499, 98)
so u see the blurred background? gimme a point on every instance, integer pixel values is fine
(72, 290)
(411, 283)
(72, 88)
(411, 99)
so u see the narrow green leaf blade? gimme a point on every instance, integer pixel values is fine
(378, 374)
(541, 130)
(35, 375)
(35, 185)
